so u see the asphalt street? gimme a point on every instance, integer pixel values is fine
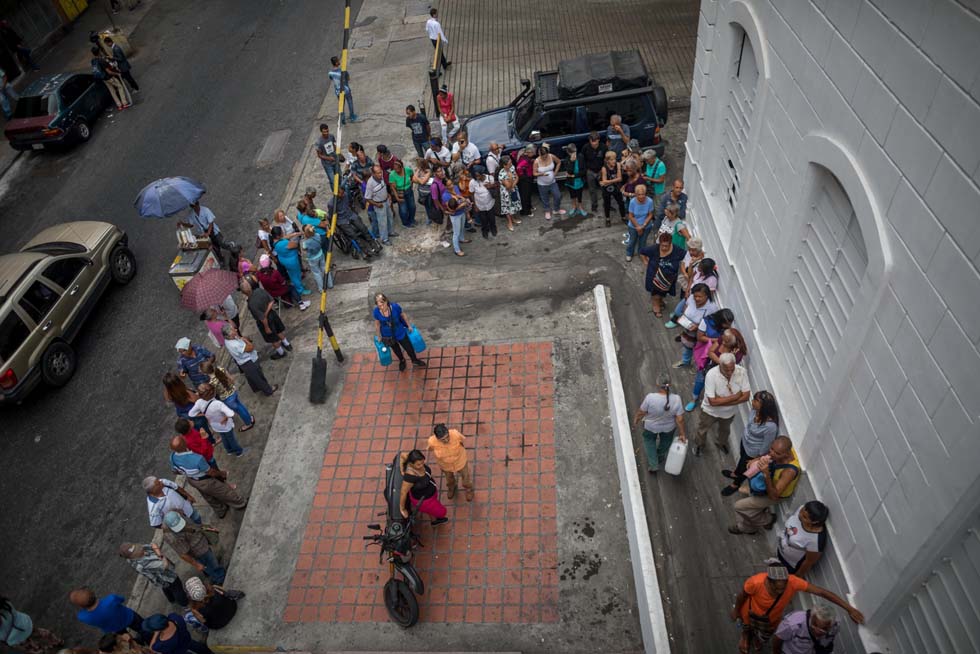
(217, 78)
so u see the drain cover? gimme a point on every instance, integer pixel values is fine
(352, 275)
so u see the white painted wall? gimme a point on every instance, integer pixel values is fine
(880, 97)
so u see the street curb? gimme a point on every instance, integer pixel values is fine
(11, 164)
(650, 607)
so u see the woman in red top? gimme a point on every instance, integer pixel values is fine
(525, 178)
(447, 113)
(765, 596)
(273, 281)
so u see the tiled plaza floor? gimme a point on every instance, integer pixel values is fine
(495, 561)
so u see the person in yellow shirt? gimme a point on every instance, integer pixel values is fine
(447, 447)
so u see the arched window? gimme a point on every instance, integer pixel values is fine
(824, 282)
(737, 118)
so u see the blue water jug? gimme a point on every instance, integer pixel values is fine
(418, 343)
(384, 352)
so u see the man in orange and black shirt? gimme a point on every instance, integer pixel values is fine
(447, 447)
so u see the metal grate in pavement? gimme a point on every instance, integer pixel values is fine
(494, 44)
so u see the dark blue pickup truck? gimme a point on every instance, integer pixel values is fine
(563, 106)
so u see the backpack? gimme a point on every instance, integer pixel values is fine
(98, 69)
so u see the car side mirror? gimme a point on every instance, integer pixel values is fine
(535, 135)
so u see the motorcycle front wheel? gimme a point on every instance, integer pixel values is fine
(401, 603)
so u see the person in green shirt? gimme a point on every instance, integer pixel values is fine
(400, 181)
(654, 174)
(575, 181)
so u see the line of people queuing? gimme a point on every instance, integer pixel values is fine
(767, 469)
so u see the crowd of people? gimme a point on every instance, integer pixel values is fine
(768, 469)
(461, 190)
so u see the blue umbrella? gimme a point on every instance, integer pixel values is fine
(168, 196)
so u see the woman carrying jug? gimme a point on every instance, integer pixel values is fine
(662, 413)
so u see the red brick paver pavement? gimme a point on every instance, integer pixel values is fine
(495, 561)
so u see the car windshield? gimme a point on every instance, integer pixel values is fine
(33, 106)
(522, 116)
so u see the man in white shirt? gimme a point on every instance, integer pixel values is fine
(483, 199)
(379, 205)
(434, 31)
(245, 355)
(163, 495)
(725, 387)
(465, 151)
(438, 155)
(220, 417)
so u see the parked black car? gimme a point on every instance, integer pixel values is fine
(563, 106)
(56, 110)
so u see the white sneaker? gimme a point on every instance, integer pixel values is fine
(547, 215)
(562, 212)
(304, 305)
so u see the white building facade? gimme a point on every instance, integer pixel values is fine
(833, 169)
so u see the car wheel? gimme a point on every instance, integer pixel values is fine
(660, 103)
(58, 364)
(82, 131)
(122, 265)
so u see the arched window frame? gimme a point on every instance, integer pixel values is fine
(826, 151)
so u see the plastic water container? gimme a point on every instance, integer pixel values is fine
(675, 458)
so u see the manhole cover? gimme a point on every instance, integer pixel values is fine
(352, 275)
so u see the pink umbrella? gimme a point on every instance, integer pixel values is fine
(208, 289)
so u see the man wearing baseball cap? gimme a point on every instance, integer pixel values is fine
(765, 596)
(188, 540)
(189, 360)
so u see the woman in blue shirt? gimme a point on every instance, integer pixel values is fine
(286, 249)
(393, 330)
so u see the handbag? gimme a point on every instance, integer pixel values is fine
(761, 624)
(661, 282)
(418, 343)
(384, 353)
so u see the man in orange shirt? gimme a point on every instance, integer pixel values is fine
(765, 596)
(447, 447)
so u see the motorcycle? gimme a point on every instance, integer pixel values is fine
(398, 542)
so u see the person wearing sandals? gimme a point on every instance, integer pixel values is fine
(760, 431)
(419, 490)
(510, 197)
(662, 413)
(393, 330)
(226, 390)
(450, 453)
(663, 262)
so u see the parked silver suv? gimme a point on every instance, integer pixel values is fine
(47, 291)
